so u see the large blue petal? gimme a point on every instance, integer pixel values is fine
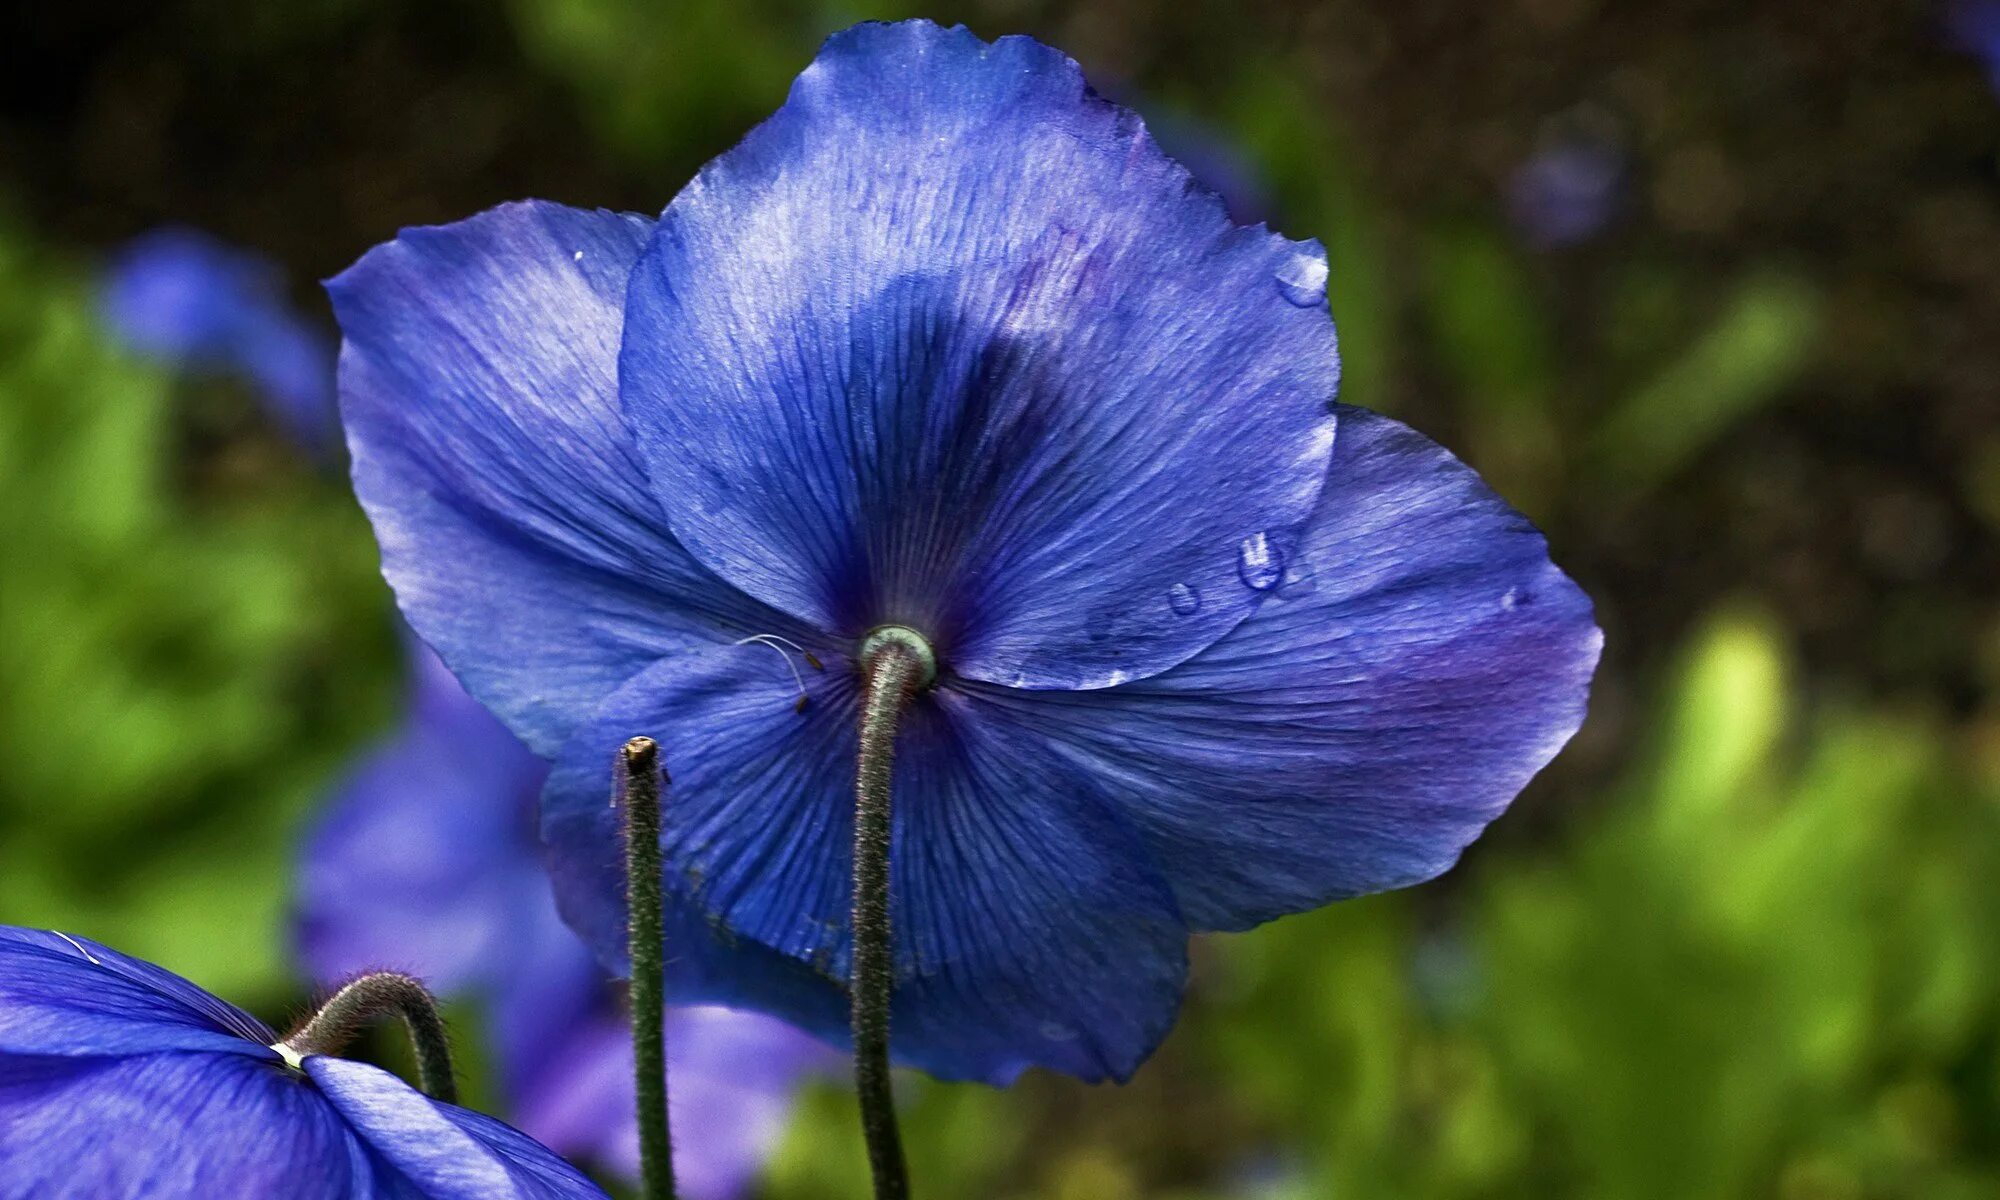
(1031, 927)
(175, 1125)
(69, 996)
(477, 382)
(948, 342)
(1420, 661)
(447, 1152)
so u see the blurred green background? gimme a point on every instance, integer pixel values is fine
(1742, 940)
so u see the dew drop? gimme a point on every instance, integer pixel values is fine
(1259, 564)
(1302, 280)
(1184, 600)
(1515, 598)
(578, 257)
(1299, 580)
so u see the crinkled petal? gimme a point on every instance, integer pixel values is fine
(69, 996)
(1030, 924)
(446, 1152)
(174, 1125)
(1420, 661)
(949, 342)
(477, 383)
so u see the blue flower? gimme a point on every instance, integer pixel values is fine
(1566, 191)
(427, 862)
(185, 298)
(1974, 27)
(119, 1079)
(948, 343)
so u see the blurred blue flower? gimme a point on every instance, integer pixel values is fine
(119, 1079)
(196, 303)
(1974, 26)
(948, 343)
(1567, 191)
(427, 862)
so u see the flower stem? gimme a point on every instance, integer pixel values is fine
(379, 994)
(890, 673)
(639, 785)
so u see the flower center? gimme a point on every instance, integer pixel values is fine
(901, 635)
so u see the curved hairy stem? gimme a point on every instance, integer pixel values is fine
(366, 999)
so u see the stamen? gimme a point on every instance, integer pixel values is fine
(773, 641)
(809, 656)
(79, 947)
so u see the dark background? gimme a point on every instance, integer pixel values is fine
(1743, 939)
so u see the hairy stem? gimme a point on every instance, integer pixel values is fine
(639, 786)
(370, 997)
(890, 675)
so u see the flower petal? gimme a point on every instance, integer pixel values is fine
(182, 296)
(731, 1074)
(447, 1152)
(1419, 663)
(69, 996)
(173, 1124)
(477, 383)
(1030, 925)
(419, 859)
(948, 342)
(427, 862)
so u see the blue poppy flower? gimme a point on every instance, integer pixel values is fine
(948, 343)
(120, 1079)
(427, 862)
(197, 303)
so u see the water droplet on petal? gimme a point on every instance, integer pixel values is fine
(579, 256)
(1302, 280)
(1299, 580)
(1259, 563)
(1515, 598)
(1184, 600)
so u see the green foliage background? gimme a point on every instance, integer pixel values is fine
(1742, 941)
